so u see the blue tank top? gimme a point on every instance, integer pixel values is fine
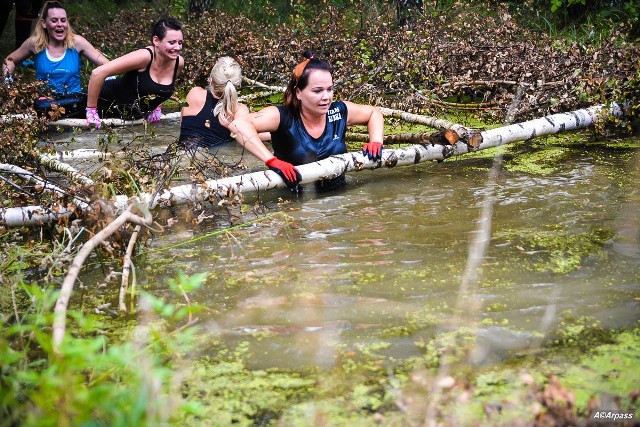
(204, 128)
(62, 75)
(292, 143)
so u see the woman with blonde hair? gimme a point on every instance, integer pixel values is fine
(206, 118)
(56, 51)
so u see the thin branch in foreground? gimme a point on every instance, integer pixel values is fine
(127, 265)
(60, 310)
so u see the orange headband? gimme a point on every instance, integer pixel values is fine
(297, 72)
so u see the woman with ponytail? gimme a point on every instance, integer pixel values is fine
(311, 126)
(210, 111)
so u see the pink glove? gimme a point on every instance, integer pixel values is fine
(286, 170)
(93, 118)
(155, 115)
(373, 150)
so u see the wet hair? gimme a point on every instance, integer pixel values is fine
(300, 79)
(41, 36)
(224, 82)
(162, 25)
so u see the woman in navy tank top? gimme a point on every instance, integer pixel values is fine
(148, 78)
(210, 111)
(310, 126)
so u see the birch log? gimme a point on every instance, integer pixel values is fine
(55, 165)
(354, 161)
(81, 123)
(335, 166)
(462, 131)
(80, 154)
(46, 185)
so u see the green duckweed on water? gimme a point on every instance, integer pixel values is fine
(556, 250)
(367, 386)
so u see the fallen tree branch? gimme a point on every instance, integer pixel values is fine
(55, 165)
(213, 190)
(262, 85)
(462, 131)
(444, 137)
(481, 83)
(32, 215)
(81, 123)
(46, 185)
(60, 310)
(80, 154)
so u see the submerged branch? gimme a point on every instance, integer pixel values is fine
(127, 266)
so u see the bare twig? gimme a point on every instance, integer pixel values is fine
(127, 265)
(60, 310)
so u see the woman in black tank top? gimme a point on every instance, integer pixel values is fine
(206, 118)
(148, 80)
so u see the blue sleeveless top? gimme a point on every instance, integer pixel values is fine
(62, 75)
(204, 128)
(292, 143)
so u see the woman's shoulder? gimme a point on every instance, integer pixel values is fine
(197, 92)
(339, 104)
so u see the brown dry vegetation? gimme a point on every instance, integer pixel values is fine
(465, 59)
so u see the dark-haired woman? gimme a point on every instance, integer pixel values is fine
(148, 80)
(310, 126)
(56, 51)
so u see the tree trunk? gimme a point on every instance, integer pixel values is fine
(334, 166)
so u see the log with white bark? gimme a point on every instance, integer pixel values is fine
(354, 161)
(28, 216)
(80, 154)
(46, 185)
(55, 165)
(81, 123)
(462, 131)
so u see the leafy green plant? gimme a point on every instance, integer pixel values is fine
(91, 379)
(557, 4)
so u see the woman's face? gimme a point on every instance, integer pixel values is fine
(170, 45)
(56, 24)
(316, 97)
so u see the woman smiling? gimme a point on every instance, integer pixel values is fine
(56, 51)
(148, 79)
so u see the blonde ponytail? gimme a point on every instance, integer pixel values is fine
(224, 82)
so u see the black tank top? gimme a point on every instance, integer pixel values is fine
(204, 128)
(135, 94)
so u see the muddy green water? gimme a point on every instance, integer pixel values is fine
(383, 259)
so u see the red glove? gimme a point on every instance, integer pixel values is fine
(373, 150)
(286, 170)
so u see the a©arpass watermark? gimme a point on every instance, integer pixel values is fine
(611, 416)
